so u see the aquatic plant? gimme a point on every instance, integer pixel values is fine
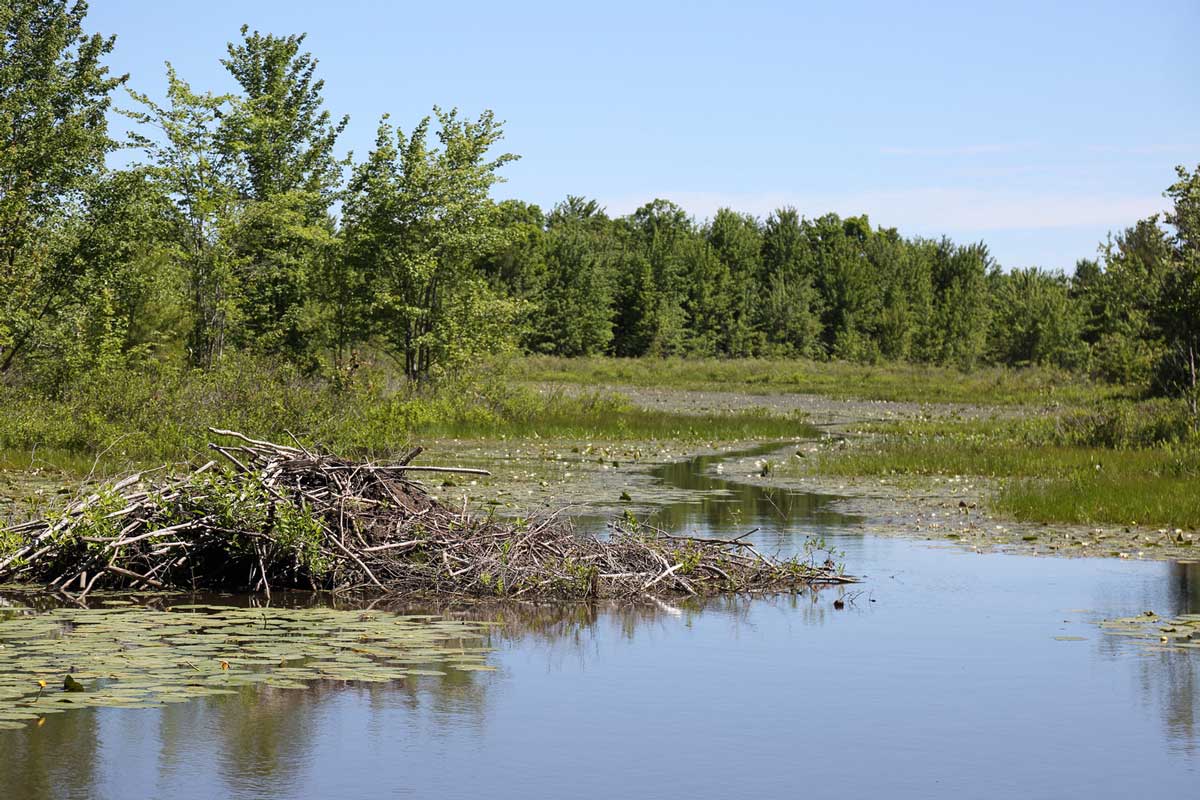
(128, 656)
(1182, 631)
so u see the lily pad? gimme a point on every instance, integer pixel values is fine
(1159, 633)
(129, 656)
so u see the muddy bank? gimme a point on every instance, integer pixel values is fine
(593, 478)
(601, 481)
(953, 508)
(598, 478)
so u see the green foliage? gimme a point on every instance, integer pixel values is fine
(54, 96)
(1035, 320)
(417, 220)
(232, 502)
(650, 293)
(228, 239)
(736, 241)
(1120, 297)
(279, 248)
(280, 128)
(185, 158)
(284, 139)
(1177, 313)
(126, 305)
(1143, 299)
(573, 315)
(791, 306)
(130, 417)
(960, 309)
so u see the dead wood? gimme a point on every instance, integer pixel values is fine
(288, 516)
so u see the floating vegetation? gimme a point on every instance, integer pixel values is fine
(142, 658)
(1174, 632)
(277, 515)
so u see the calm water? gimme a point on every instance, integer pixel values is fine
(942, 679)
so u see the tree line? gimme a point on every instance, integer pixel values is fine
(239, 227)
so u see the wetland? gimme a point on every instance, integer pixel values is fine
(333, 466)
(1019, 668)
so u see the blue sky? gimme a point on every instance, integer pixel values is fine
(1036, 127)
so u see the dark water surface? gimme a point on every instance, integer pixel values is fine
(943, 678)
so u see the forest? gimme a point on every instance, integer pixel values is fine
(235, 225)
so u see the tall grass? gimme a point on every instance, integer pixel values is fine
(1122, 499)
(139, 417)
(1123, 463)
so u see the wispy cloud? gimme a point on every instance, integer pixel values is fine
(930, 210)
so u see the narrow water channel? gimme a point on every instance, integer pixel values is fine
(717, 503)
(943, 677)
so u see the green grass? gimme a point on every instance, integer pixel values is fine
(130, 419)
(1123, 464)
(902, 382)
(1123, 499)
(1088, 455)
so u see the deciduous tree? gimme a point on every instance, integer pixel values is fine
(55, 92)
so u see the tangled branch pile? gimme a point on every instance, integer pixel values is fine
(275, 515)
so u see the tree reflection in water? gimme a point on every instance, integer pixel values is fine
(267, 736)
(289, 740)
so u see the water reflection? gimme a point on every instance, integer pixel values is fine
(268, 737)
(1169, 680)
(717, 504)
(722, 505)
(952, 680)
(1184, 587)
(59, 759)
(574, 677)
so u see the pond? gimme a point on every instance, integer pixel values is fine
(947, 674)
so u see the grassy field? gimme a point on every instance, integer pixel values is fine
(902, 382)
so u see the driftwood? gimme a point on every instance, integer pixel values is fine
(266, 514)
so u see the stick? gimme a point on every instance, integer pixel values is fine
(248, 440)
(130, 574)
(417, 468)
(669, 571)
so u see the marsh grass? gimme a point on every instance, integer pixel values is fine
(123, 420)
(1083, 452)
(1128, 499)
(841, 380)
(1121, 464)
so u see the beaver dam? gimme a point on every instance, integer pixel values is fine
(266, 515)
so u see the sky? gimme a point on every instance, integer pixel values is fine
(1037, 128)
